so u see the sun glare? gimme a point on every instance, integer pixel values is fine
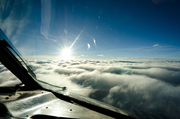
(66, 54)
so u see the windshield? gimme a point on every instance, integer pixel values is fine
(125, 53)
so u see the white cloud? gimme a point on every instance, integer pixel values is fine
(150, 85)
(84, 55)
(7, 78)
(155, 45)
(100, 55)
(165, 75)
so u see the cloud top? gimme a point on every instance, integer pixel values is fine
(100, 55)
(141, 86)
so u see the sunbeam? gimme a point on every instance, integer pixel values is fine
(66, 53)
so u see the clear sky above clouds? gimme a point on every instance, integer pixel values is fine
(145, 30)
(93, 28)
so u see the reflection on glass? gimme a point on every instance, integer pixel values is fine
(124, 53)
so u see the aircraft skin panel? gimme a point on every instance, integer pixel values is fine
(25, 104)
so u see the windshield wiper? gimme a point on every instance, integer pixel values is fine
(9, 58)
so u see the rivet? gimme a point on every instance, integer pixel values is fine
(7, 98)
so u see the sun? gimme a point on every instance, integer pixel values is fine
(66, 54)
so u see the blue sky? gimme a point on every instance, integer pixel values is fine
(120, 28)
(135, 32)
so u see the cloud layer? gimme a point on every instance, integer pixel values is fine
(140, 86)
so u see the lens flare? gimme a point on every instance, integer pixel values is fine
(66, 54)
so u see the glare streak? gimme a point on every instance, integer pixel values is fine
(95, 42)
(68, 49)
(76, 39)
(88, 46)
(55, 67)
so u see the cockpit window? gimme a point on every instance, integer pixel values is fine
(121, 52)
